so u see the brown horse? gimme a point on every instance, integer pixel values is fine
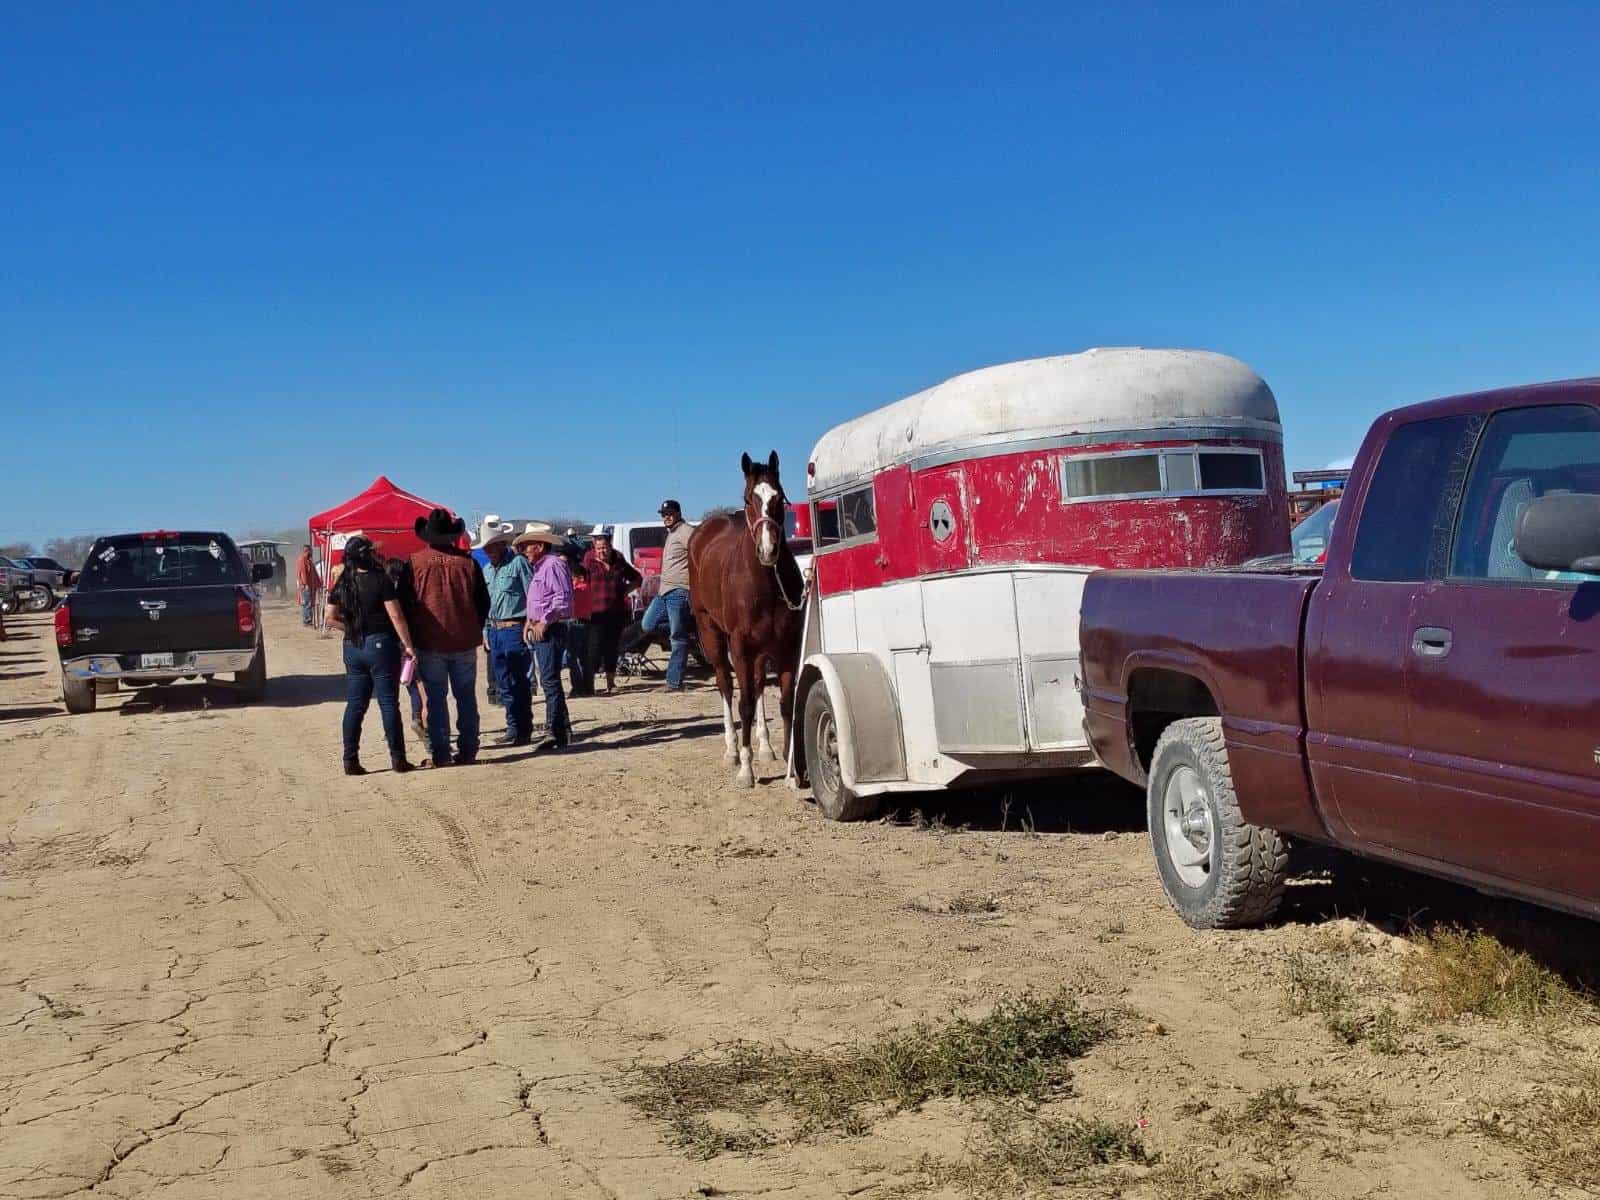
(748, 599)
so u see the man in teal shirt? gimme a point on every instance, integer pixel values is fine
(508, 576)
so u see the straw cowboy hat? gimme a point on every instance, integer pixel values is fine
(538, 531)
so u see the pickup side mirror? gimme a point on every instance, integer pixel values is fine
(260, 572)
(1561, 533)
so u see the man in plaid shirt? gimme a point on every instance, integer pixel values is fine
(611, 578)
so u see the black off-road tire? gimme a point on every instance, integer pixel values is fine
(251, 683)
(43, 599)
(79, 694)
(1248, 865)
(837, 802)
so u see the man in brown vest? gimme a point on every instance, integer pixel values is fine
(447, 602)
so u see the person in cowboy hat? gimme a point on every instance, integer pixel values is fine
(449, 603)
(611, 578)
(510, 660)
(671, 604)
(549, 608)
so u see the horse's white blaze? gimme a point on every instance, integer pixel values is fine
(766, 543)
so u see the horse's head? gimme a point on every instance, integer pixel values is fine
(764, 507)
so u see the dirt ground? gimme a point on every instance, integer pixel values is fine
(228, 970)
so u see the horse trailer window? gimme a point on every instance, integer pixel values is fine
(1230, 472)
(856, 516)
(1114, 475)
(1144, 474)
(825, 522)
(847, 518)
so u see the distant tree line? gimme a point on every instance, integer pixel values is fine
(68, 551)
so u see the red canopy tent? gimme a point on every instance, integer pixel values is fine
(383, 512)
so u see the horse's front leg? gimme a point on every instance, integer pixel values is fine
(746, 776)
(763, 740)
(786, 707)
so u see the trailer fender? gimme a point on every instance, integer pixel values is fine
(871, 744)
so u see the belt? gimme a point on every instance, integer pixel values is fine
(514, 623)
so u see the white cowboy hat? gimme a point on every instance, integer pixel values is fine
(538, 531)
(605, 531)
(493, 529)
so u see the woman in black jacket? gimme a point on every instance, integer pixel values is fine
(364, 603)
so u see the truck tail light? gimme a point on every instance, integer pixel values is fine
(64, 626)
(245, 610)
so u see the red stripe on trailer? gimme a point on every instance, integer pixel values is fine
(1008, 511)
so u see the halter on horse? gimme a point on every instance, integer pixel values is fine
(765, 509)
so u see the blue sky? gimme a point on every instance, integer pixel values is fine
(549, 259)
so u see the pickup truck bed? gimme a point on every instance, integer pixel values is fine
(1432, 697)
(1235, 654)
(157, 608)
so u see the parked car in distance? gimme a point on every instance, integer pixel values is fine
(151, 609)
(1427, 698)
(48, 570)
(22, 588)
(1308, 540)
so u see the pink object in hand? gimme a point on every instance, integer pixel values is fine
(408, 671)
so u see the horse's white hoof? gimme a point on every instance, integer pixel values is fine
(768, 752)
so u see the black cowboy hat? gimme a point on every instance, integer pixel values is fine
(440, 526)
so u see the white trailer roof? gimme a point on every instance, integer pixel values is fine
(1063, 400)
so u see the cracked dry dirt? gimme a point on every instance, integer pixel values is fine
(229, 971)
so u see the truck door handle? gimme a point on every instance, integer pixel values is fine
(1431, 642)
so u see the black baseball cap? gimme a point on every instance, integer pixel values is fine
(670, 506)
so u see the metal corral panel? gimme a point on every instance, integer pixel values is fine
(977, 707)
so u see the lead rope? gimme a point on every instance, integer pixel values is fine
(778, 579)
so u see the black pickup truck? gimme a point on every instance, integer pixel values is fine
(153, 608)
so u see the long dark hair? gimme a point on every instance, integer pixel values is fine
(359, 555)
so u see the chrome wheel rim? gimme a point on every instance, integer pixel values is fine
(1189, 826)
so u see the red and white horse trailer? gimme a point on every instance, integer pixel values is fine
(952, 533)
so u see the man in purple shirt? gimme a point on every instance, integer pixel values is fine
(549, 608)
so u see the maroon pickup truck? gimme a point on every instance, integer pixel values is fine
(1429, 696)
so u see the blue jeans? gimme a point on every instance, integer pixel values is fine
(547, 660)
(671, 609)
(455, 672)
(510, 659)
(372, 668)
(305, 605)
(578, 664)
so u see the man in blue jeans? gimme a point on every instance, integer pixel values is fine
(508, 576)
(549, 610)
(447, 603)
(671, 605)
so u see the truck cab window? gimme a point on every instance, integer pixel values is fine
(1525, 453)
(1404, 528)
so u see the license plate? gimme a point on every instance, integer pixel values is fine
(155, 660)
